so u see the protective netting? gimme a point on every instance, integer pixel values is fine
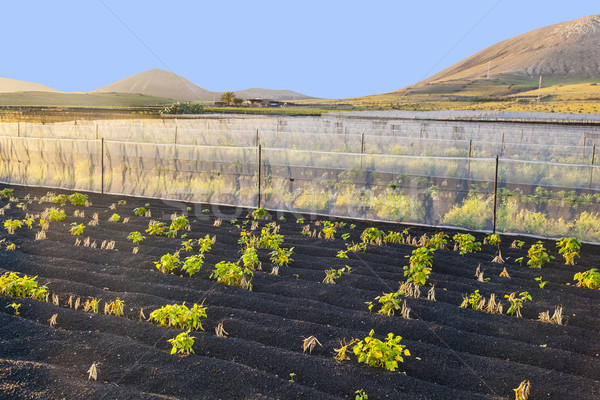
(428, 172)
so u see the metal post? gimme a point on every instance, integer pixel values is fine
(175, 140)
(257, 138)
(259, 171)
(18, 129)
(592, 165)
(495, 197)
(469, 161)
(362, 148)
(102, 166)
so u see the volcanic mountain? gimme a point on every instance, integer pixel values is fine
(561, 53)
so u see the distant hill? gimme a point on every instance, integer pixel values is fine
(160, 83)
(256, 93)
(13, 85)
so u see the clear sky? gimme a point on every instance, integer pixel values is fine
(323, 48)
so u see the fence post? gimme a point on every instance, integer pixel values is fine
(259, 171)
(592, 165)
(102, 166)
(362, 148)
(469, 161)
(495, 197)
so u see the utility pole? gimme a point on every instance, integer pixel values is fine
(540, 90)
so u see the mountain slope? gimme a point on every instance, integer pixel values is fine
(255, 93)
(569, 49)
(160, 83)
(13, 85)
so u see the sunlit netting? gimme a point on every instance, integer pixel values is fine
(435, 172)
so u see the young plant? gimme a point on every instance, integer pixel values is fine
(340, 353)
(55, 214)
(11, 225)
(136, 237)
(78, 199)
(116, 307)
(115, 218)
(394, 237)
(156, 228)
(373, 235)
(356, 247)
(329, 230)
(420, 266)
(179, 223)
(14, 286)
(6, 192)
(179, 316)
(342, 254)
(182, 343)
(361, 395)
(439, 241)
(269, 240)
(233, 274)
(493, 239)
(517, 244)
(260, 213)
(569, 248)
(345, 236)
(332, 274)
(187, 245)
(537, 256)
(390, 302)
(77, 229)
(541, 283)
(206, 243)
(282, 256)
(589, 279)
(192, 264)
(14, 306)
(29, 222)
(60, 199)
(140, 211)
(381, 354)
(250, 259)
(466, 243)
(516, 303)
(167, 263)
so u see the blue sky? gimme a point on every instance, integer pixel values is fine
(330, 49)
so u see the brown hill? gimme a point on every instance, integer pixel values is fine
(569, 49)
(272, 94)
(13, 85)
(160, 83)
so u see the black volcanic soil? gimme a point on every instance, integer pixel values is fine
(455, 353)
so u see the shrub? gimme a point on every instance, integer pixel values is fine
(167, 263)
(6, 192)
(569, 248)
(115, 218)
(14, 286)
(232, 274)
(589, 279)
(473, 213)
(329, 230)
(183, 107)
(420, 266)
(390, 302)
(179, 316)
(205, 244)
(466, 243)
(78, 199)
(269, 240)
(60, 199)
(493, 239)
(381, 354)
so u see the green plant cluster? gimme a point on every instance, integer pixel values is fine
(183, 107)
(233, 274)
(589, 279)
(180, 316)
(421, 262)
(569, 248)
(13, 285)
(381, 354)
(466, 243)
(537, 256)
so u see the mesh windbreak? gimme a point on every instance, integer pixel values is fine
(69, 164)
(219, 175)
